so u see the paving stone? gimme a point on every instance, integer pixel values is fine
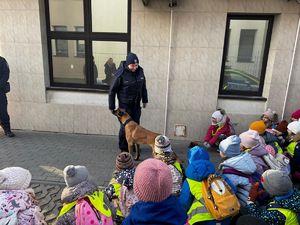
(46, 154)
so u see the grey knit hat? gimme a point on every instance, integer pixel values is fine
(74, 175)
(230, 147)
(276, 182)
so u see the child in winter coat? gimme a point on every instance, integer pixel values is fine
(163, 151)
(81, 186)
(17, 201)
(120, 188)
(286, 203)
(199, 169)
(237, 167)
(219, 129)
(270, 119)
(250, 143)
(268, 137)
(293, 148)
(153, 186)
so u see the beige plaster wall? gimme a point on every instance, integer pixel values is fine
(195, 66)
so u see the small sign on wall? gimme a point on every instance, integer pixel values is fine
(180, 130)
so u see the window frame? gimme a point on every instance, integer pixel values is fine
(243, 94)
(57, 52)
(88, 36)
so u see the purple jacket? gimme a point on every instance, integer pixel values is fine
(256, 153)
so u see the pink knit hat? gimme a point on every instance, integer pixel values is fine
(270, 114)
(152, 181)
(249, 139)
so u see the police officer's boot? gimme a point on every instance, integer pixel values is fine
(9, 133)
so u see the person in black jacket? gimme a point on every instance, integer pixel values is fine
(129, 85)
(109, 70)
(4, 88)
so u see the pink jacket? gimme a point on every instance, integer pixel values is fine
(213, 133)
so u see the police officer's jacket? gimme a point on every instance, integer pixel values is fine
(130, 88)
(4, 73)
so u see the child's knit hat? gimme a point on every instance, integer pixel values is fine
(14, 178)
(74, 175)
(259, 126)
(282, 126)
(276, 182)
(296, 115)
(294, 127)
(249, 139)
(162, 145)
(197, 153)
(230, 147)
(270, 114)
(152, 181)
(124, 161)
(218, 116)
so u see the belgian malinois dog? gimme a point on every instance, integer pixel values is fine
(135, 134)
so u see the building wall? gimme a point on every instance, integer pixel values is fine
(195, 64)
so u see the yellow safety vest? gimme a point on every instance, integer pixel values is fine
(117, 188)
(279, 149)
(96, 199)
(177, 166)
(290, 216)
(197, 211)
(291, 148)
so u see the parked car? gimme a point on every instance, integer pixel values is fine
(239, 80)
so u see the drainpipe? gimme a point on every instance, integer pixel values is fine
(168, 73)
(291, 70)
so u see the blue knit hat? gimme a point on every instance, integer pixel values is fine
(197, 153)
(230, 147)
(131, 59)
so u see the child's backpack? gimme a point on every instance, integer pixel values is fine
(86, 214)
(280, 162)
(219, 198)
(127, 200)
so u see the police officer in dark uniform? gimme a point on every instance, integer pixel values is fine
(129, 85)
(4, 88)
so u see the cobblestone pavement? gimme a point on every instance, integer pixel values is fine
(46, 154)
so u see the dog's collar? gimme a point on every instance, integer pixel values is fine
(127, 121)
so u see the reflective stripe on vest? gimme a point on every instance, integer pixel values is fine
(117, 188)
(290, 216)
(279, 149)
(197, 211)
(291, 148)
(177, 166)
(96, 199)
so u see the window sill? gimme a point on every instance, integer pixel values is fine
(240, 97)
(77, 89)
(68, 97)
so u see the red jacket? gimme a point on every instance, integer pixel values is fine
(214, 132)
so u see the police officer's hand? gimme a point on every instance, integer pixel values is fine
(144, 105)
